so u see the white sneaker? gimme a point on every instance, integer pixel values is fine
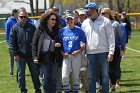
(117, 86)
(97, 85)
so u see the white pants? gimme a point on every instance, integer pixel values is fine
(71, 64)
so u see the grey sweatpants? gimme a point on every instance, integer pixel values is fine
(11, 61)
(71, 64)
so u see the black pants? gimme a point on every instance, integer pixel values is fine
(113, 66)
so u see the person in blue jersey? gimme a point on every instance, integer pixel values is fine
(71, 37)
(12, 20)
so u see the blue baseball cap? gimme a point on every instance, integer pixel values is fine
(68, 11)
(69, 15)
(123, 13)
(90, 6)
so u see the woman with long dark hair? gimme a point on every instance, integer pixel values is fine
(44, 46)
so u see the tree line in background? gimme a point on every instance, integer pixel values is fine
(116, 5)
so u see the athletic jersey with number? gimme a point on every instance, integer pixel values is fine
(71, 38)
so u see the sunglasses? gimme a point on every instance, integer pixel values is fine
(23, 17)
(103, 13)
(86, 7)
(53, 19)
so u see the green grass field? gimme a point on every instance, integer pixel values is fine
(130, 81)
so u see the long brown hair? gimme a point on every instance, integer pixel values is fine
(43, 24)
(45, 17)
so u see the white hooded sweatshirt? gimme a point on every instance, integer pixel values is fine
(100, 35)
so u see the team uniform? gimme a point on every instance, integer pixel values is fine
(70, 40)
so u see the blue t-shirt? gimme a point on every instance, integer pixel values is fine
(70, 38)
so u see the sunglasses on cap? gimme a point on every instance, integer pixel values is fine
(22, 17)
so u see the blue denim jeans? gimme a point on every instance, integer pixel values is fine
(114, 66)
(49, 80)
(21, 67)
(101, 60)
